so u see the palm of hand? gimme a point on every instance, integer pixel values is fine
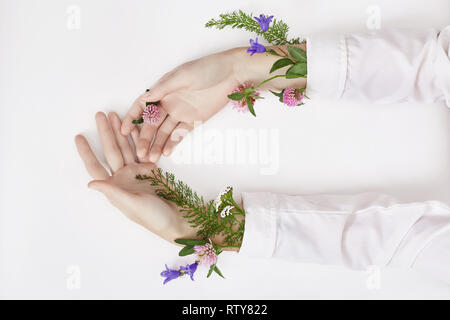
(135, 198)
(139, 202)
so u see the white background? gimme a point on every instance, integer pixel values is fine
(54, 79)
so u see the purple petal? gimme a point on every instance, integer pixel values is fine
(169, 274)
(167, 280)
(190, 269)
(261, 49)
(255, 47)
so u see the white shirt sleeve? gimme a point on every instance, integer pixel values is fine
(384, 66)
(354, 231)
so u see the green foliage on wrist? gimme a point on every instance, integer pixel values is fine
(297, 58)
(199, 214)
(276, 34)
(297, 54)
(280, 64)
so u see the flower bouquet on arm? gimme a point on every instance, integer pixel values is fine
(245, 95)
(222, 217)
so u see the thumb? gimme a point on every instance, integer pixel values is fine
(156, 93)
(114, 193)
(170, 82)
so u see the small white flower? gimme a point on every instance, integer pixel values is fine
(226, 211)
(218, 201)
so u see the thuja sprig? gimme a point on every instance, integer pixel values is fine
(276, 34)
(200, 214)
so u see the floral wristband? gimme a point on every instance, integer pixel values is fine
(222, 217)
(245, 95)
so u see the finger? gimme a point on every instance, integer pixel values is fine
(134, 137)
(162, 135)
(107, 188)
(122, 141)
(167, 84)
(93, 166)
(110, 147)
(134, 113)
(163, 87)
(147, 134)
(144, 141)
(177, 135)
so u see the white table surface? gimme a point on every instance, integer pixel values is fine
(53, 80)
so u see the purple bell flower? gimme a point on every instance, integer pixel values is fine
(264, 22)
(255, 47)
(170, 274)
(190, 269)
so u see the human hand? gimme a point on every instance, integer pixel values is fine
(191, 92)
(135, 198)
(195, 91)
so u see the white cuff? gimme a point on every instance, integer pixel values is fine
(260, 225)
(327, 66)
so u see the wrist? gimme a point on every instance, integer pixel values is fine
(219, 240)
(256, 68)
(238, 216)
